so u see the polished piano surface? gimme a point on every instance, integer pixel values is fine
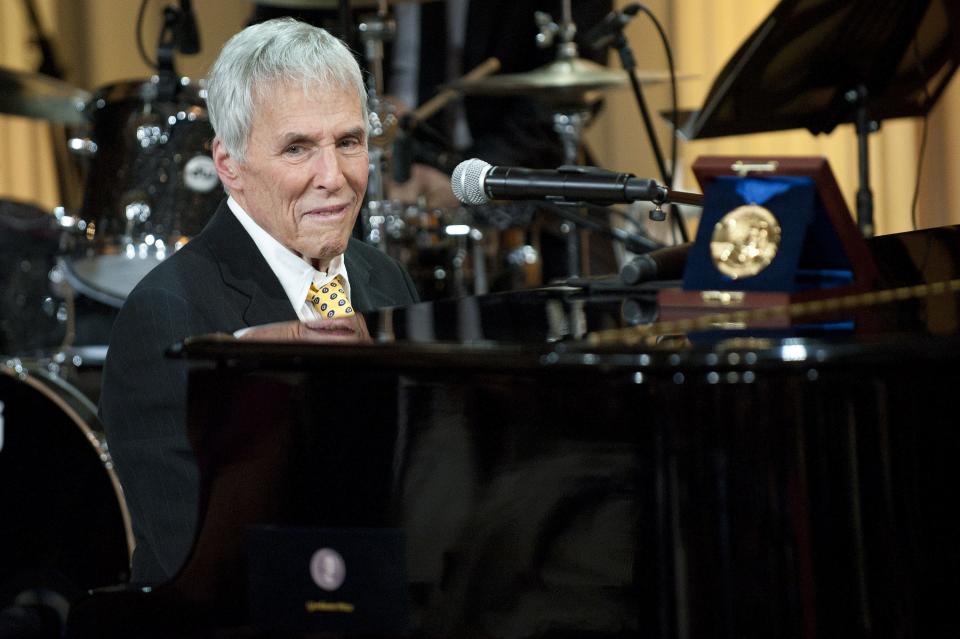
(791, 478)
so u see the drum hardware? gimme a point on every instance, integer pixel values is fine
(82, 147)
(523, 256)
(480, 284)
(575, 82)
(374, 30)
(443, 249)
(468, 253)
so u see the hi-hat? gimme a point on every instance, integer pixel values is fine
(39, 96)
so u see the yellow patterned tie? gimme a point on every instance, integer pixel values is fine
(330, 300)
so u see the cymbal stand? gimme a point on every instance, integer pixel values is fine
(569, 121)
(374, 30)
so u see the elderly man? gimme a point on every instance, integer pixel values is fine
(288, 106)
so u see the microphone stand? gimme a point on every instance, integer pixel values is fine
(629, 63)
(168, 83)
(633, 242)
(48, 61)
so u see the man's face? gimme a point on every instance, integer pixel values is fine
(305, 171)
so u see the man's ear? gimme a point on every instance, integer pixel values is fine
(227, 167)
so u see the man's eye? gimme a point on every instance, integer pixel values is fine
(294, 149)
(351, 145)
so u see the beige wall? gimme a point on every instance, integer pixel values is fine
(103, 45)
(95, 41)
(95, 44)
(26, 163)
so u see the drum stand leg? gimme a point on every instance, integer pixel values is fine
(374, 31)
(569, 126)
(479, 260)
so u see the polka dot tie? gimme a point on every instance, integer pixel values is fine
(330, 300)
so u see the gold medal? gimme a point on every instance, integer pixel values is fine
(745, 241)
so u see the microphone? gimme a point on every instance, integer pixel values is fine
(602, 35)
(659, 264)
(477, 182)
(189, 37)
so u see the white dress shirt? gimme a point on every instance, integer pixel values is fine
(294, 272)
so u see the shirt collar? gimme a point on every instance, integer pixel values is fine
(295, 273)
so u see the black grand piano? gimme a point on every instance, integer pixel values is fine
(568, 462)
(773, 480)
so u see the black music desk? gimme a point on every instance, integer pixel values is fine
(794, 481)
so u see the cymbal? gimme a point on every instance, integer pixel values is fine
(39, 96)
(561, 80)
(575, 75)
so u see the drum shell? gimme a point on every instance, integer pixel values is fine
(65, 525)
(143, 148)
(151, 185)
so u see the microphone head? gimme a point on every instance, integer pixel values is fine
(467, 181)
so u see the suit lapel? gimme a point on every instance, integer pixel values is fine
(358, 271)
(260, 296)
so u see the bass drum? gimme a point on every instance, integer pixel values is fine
(151, 185)
(64, 525)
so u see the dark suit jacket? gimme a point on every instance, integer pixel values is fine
(218, 282)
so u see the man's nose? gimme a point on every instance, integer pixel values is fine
(327, 171)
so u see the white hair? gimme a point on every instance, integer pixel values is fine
(282, 50)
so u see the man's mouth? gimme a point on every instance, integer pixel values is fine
(328, 210)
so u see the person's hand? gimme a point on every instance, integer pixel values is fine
(426, 182)
(346, 330)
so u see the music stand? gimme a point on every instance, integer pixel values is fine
(814, 64)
